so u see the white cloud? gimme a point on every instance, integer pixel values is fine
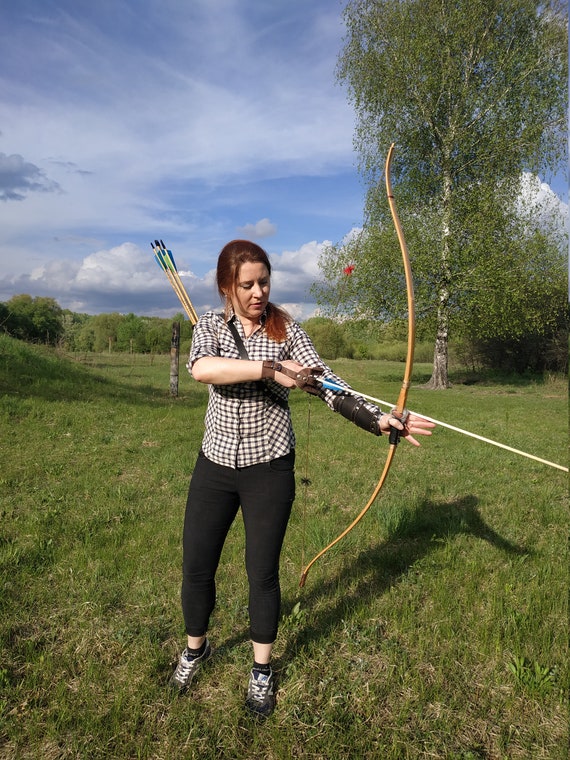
(125, 278)
(538, 198)
(300, 263)
(261, 229)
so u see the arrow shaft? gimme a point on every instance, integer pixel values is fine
(335, 387)
(180, 290)
(182, 296)
(165, 260)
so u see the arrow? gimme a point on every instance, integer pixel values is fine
(165, 261)
(340, 388)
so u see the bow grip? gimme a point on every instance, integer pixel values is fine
(394, 437)
(396, 434)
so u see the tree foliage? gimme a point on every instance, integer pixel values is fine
(473, 93)
(328, 337)
(42, 320)
(36, 320)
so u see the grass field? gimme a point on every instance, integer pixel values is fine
(437, 629)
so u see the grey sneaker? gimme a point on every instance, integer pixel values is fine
(260, 694)
(187, 668)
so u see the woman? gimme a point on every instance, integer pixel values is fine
(251, 356)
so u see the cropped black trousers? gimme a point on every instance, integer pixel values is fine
(265, 493)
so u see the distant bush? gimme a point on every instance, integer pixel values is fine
(35, 320)
(397, 351)
(328, 338)
(364, 339)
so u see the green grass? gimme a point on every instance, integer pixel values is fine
(437, 629)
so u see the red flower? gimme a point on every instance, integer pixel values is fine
(348, 270)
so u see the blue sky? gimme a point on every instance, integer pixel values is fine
(193, 121)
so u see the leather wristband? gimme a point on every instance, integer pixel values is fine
(354, 410)
(306, 380)
(269, 368)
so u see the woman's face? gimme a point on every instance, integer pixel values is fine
(251, 293)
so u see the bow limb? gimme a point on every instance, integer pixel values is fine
(403, 395)
(354, 523)
(401, 403)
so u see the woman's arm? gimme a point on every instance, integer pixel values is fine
(306, 352)
(220, 370)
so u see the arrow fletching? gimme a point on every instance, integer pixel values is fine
(171, 257)
(165, 254)
(165, 261)
(158, 257)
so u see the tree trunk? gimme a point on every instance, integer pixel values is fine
(439, 379)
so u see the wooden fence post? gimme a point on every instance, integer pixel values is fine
(174, 358)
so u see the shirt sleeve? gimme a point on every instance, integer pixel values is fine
(205, 338)
(304, 352)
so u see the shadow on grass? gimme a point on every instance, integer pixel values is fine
(376, 570)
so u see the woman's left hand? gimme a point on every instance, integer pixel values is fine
(414, 425)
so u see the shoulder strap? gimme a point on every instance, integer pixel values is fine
(237, 337)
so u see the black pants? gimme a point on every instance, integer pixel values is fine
(265, 493)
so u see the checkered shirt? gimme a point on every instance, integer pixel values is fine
(243, 425)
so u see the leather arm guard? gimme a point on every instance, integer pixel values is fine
(269, 369)
(354, 410)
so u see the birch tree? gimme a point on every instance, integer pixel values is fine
(473, 93)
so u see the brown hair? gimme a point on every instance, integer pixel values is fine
(232, 256)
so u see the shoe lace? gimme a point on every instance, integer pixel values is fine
(185, 667)
(260, 687)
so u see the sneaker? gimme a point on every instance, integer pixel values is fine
(187, 668)
(260, 694)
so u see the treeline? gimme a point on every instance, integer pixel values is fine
(532, 350)
(42, 320)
